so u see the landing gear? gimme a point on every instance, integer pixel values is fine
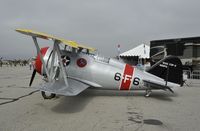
(148, 92)
(46, 95)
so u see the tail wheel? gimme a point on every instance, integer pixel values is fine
(46, 95)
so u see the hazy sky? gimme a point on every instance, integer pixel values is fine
(102, 24)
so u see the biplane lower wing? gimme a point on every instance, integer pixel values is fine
(59, 87)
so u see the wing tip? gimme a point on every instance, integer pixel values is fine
(19, 30)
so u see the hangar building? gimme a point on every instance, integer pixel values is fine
(187, 49)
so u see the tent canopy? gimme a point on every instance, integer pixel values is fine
(141, 51)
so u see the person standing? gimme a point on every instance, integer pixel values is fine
(30, 65)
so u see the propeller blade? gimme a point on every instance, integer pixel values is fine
(32, 77)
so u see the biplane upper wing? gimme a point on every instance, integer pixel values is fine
(51, 37)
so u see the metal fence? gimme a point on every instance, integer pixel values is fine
(192, 75)
(191, 79)
(195, 75)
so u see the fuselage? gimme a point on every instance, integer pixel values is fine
(102, 72)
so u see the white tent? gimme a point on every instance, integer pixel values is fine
(142, 51)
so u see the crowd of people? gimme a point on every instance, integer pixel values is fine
(13, 63)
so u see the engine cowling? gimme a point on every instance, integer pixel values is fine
(46, 53)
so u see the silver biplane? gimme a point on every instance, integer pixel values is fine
(73, 68)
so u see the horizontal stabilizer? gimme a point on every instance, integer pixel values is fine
(154, 85)
(59, 87)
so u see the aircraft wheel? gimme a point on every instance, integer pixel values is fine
(148, 92)
(46, 95)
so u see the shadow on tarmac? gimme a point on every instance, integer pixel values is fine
(73, 104)
(156, 94)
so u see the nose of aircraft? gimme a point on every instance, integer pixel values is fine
(38, 62)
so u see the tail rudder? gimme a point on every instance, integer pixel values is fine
(169, 69)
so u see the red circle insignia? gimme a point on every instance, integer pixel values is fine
(81, 62)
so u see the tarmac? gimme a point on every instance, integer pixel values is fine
(23, 109)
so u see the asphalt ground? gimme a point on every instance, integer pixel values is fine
(23, 109)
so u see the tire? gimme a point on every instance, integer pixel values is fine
(52, 95)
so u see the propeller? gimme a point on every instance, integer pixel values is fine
(32, 77)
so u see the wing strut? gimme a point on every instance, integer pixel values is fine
(41, 57)
(56, 49)
(52, 62)
(63, 70)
